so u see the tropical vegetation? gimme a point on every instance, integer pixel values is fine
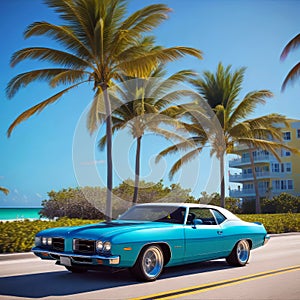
(88, 202)
(143, 105)
(221, 91)
(100, 44)
(294, 73)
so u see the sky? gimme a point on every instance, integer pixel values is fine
(52, 150)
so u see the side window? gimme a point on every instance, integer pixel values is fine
(219, 217)
(203, 214)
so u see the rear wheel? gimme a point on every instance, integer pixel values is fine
(240, 254)
(76, 269)
(149, 264)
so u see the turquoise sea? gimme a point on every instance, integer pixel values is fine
(15, 213)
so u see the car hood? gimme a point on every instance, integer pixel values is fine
(103, 230)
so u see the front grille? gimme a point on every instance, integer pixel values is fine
(58, 244)
(84, 246)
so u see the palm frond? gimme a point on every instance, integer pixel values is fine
(291, 76)
(52, 55)
(97, 113)
(248, 105)
(38, 108)
(141, 64)
(271, 146)
(4, 190)
(189, 143)
(293, 44)
(23, 79)
(183, 160)
(69, 77)
(62, 34)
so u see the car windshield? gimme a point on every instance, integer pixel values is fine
(155, 213)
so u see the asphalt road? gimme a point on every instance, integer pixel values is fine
(273, 273)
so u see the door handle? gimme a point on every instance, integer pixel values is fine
(219, 232)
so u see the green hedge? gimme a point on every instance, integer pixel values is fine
(18, 236)
(276, 223)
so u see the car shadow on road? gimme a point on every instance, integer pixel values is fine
(64, 283)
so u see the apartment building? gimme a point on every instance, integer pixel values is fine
(274, 177)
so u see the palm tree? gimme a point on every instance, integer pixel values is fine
(220, 91)
(295, 71)
(142, 106)
(100, 43)
(4, 190)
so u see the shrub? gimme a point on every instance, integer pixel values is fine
(18, 236)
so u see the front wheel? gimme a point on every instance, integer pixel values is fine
(240, 254)
(149, 264)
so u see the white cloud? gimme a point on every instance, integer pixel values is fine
(38, 195)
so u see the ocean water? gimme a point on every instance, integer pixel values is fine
(21, 213)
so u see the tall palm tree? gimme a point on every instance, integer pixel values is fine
(143, 104)
(295, 71)
(4, 190)
(221, 90)
(100, 42)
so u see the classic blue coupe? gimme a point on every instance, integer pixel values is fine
(149, 237)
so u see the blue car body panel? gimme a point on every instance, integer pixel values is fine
(183, 243)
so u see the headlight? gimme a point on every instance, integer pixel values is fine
(46, 241)
(107, 246)
(99, 245)
(37, 240)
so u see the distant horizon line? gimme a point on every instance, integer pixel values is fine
(21, 207)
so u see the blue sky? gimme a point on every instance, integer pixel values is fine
(38, 157)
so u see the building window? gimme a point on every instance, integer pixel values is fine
(285, 153)
(298, 133)
(288, 167)
(276, 184)
(287, 136)
(290, 184)
(283, 184)
(275, 168)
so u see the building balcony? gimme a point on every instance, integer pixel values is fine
(249, 177)
(240, 162)
(244, 193)
(263, 192)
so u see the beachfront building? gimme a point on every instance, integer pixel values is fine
(274, 177)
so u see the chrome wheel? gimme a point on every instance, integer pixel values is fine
(242, 251)
(149, 264)
(152, 262)
(240, 254)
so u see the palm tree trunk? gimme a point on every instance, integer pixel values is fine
(137, 170)
(108, 213)
(222, 180)
(257, 196)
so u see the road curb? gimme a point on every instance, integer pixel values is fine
(14, 256)
(283, 234)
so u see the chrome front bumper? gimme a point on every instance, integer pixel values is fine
(78, 258)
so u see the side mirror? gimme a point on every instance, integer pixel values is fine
(197, 222)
